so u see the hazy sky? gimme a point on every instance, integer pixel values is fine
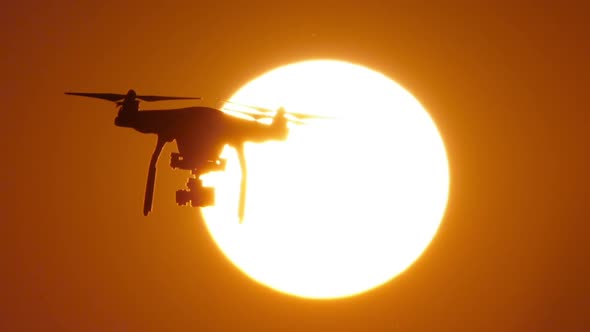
(507, 86)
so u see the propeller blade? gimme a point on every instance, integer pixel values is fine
(106, 96)
(294, 119)
(251, 116)
(255, 116)
(258, 116)
(300, 116)
(309, 116)
(258, 108)
(249, 112)
(159, 98)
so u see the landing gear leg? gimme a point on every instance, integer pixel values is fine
(149, 187)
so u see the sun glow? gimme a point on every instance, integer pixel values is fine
(343, 205)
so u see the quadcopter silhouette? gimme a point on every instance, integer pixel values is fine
(200, 134)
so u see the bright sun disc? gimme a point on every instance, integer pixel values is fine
(343, 205)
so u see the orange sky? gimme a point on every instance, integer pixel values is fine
(506, 85)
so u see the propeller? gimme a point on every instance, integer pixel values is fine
(160, 98)
(131, 94)
(106, 96)
(258, 112)
(245, 114)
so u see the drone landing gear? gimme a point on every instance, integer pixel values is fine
(149, 187)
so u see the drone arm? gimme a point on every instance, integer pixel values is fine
(149, 188)
(242, 202)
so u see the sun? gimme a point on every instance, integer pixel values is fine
(343, 205)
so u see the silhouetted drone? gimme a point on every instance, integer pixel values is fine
(200, 134)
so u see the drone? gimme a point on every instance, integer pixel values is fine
(200, 133)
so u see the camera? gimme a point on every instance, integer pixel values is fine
(196, 194)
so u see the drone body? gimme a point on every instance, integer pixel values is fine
(200, 134)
